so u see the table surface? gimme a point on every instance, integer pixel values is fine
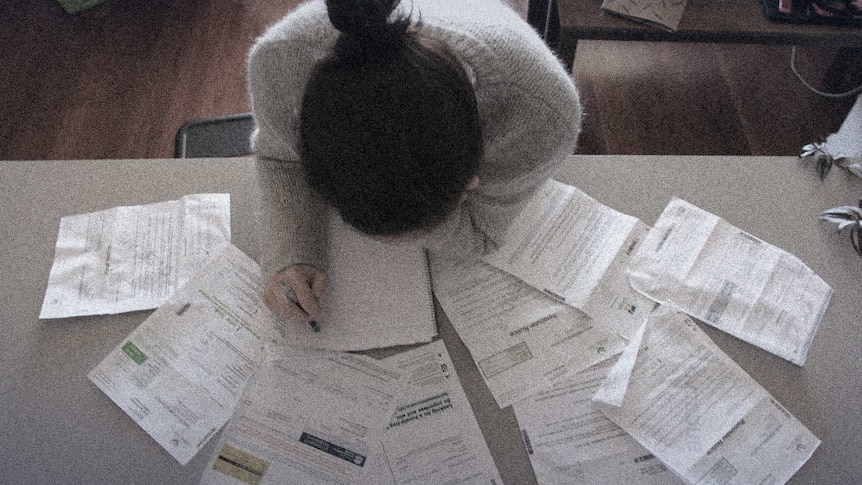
(59, 428)
(735, 21)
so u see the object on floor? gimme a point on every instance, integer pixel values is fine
(223, 136)
(77, 6)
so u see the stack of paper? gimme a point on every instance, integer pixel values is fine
(687, 402)
(577, 277)
(579, 322)
(570, 441)
(673, 408)
(181, 373)
(308, 417)
(317, 417)
(520, 339)
(433, 436)
(615, 270)
(553, 301)
(567, 244)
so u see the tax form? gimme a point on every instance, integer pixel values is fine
(697, 411)
(570, 442)
(575, 249)
(182, 372)
(518, 337)
(308, 417)
(133, 258)
(433, 436)
(723, 276)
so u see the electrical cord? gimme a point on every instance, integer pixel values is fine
(852, 92)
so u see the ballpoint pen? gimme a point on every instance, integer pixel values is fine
(290, 294)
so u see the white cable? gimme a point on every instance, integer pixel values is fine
(547, 21)
(852, 92)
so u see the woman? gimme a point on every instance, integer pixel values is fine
(430, 122)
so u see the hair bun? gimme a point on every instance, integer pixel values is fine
(366, 19)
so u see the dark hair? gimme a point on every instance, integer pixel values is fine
(389, 128)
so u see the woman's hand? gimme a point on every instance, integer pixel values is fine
(306, 282)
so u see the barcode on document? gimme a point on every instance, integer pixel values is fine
(527, 443)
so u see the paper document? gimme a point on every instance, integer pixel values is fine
(133, 258)
(570, 442)
(690, 405)
(433, 436)
(664, 14)
(717, 273)
(378, 295)
(570, 246)
(519, 337)
(181, 373)
(614, 305)
(309, 417)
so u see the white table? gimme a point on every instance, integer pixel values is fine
(56, 427)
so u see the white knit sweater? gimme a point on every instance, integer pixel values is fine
(528, 104)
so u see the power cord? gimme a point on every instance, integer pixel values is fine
(852, 92)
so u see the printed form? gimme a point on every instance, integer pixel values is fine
(575, 249)
(696, 410)
(570, 442)
(182, 372)
(433, 436)
(723, 276)
(308, 417)
(518, 337)
(133, 258)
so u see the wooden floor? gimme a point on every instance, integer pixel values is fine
(119, 80)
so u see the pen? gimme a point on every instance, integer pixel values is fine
(290, 294)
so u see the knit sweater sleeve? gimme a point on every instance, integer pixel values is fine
(531, 117)
(279, 66)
